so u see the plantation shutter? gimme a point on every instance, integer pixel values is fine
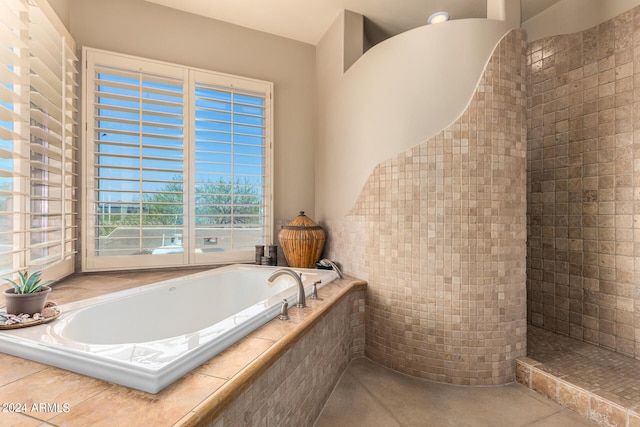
(137, 145)
(178, 164)
(230, 167)
(37, 141)
(14, 134)
(53, 154)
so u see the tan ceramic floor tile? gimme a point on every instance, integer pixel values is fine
(18, 420)
(13, 368)
(122, 406)
(52, 386)
(350, 404)
(565, 418)
(235, 358)
(383, 397)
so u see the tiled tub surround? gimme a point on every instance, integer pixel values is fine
(597, 383)
(308, 353)
(584, 184)
(439, 234)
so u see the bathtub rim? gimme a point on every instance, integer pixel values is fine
(151, 380)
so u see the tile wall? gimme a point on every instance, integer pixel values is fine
(583, 211)
(294, 390)
(439, 234)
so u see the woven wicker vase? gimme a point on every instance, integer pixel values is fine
(302, 241)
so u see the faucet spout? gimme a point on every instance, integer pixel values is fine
(302, 303)
(333, 265)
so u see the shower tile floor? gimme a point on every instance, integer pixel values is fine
(371, 395)
(593, 368)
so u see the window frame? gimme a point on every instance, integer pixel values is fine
(190, 76)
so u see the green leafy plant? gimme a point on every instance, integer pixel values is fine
(28, 284)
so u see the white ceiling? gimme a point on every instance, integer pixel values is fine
(308, 20)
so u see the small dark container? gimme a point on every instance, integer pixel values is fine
(273, 253)
(266, 260)
(259, 254)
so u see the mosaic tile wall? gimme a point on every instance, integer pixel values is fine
(439, 234)
(583, 163)
(294, 390)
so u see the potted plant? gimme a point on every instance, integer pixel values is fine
(28, 295)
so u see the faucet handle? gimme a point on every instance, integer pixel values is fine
(284, 310)
(314, 291)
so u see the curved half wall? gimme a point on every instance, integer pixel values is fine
(401, 92)
(439, 232)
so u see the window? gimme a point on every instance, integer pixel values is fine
(178, 164)
(37, 141)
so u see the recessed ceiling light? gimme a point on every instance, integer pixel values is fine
(438, 17)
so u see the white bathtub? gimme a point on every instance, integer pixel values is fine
(150, 336)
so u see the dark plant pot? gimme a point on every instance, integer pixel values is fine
(26, 303)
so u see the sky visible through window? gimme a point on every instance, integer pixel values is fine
(7, 127)
(140, 150)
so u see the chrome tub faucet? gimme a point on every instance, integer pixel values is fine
(302, 303)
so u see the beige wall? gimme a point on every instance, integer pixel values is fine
(505, 10)
(61, 7)
(572, 16)
(353, 39)
(140, 28)
(401, 92)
